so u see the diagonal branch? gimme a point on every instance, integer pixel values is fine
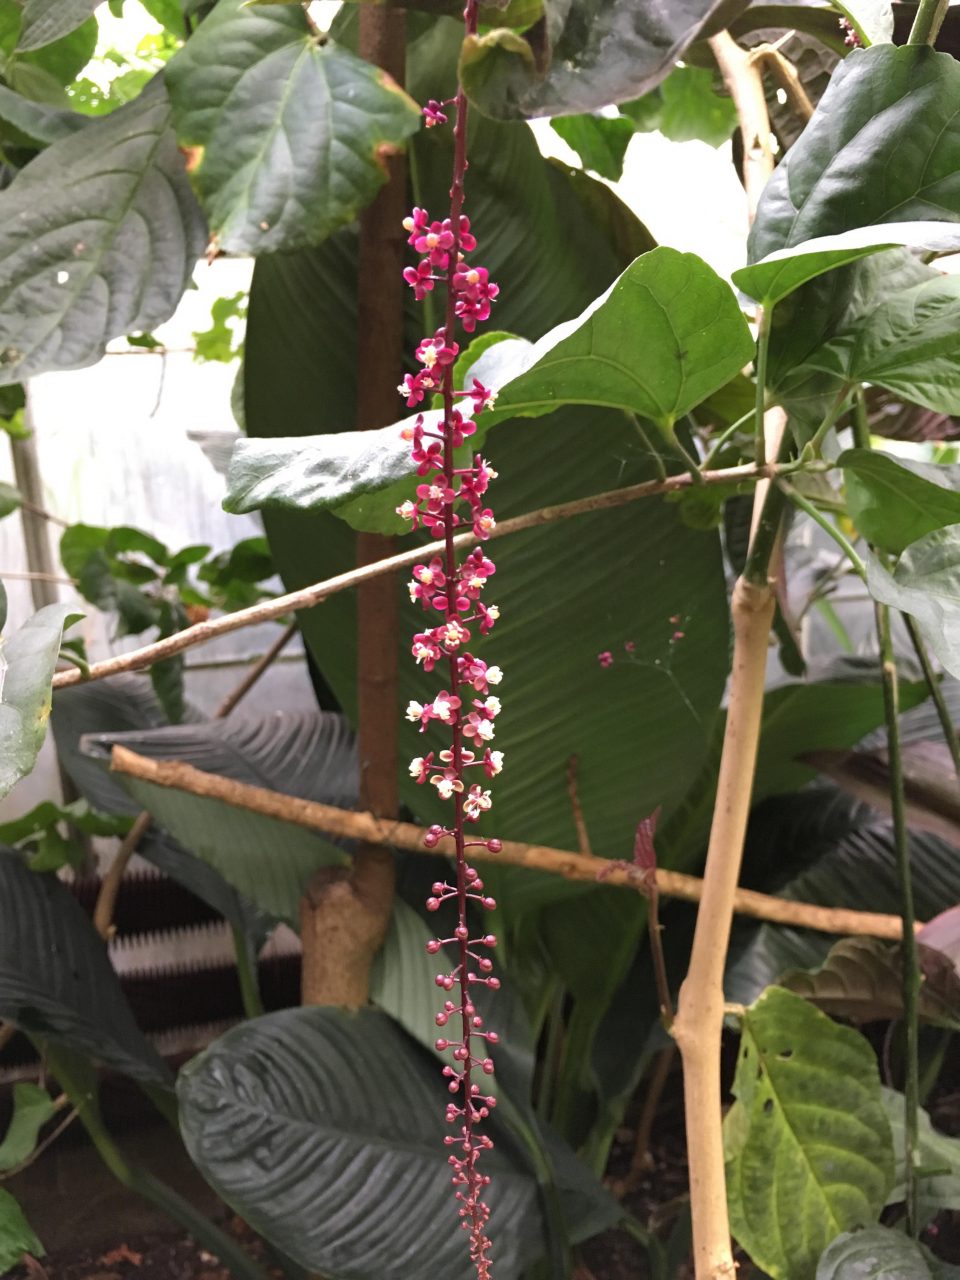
(307, 597)
(349, 824)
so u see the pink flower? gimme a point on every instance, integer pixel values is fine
(420, 768)
(433, 113)
(488, 615)
(477, 801)
(436, 351)
(484, 523)
(416, 385)
(605, 659)
(492, 762)
(426, 650)
(420, 279)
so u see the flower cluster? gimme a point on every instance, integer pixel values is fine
(451, 496)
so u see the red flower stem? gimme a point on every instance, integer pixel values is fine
(450, 556)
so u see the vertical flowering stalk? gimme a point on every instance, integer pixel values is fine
(449, 496)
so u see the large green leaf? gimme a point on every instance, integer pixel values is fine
(926, 584)
(641, 728)
(877, 1253)
(665, 336)
(588, 53)
(289, 132)
(47, 20)
(29, 658)
(781, 272)
(324, 1129)
(809, 1149)
(895, 501)
(98, 237)
(128, 703)
(17, 1237)
(268, 861)
(55, 978)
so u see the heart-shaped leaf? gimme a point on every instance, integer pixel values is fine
(877, 1253)
(288, 133)
(895, 501)
(810, 1152)
(112, 214)
(55, 978)
(324, 1129)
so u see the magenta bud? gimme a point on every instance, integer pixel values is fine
(454, 1086)
(470, 874)
(478, 884)
(460, 1053)
(430, 841)
(433, 904)
(485, 964)
(441, 1044)
(461, 932)
(438, 887)
(469, 1009)
(441, 1019)
(490, 940)
(493, 984)
(494, 846)
(493, 1037)
(490, 904)
(487, 1065)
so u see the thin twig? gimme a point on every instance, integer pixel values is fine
(178, 776)
(307, 597)
(255, 672)
(43, 513)
(641, 1163)
(28, 575)
(744, 83)
(579, 822)
(38, 1151)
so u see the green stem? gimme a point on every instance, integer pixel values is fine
(911, 959)
(688, 455)
(929, 20)
(936, 692)
(805, 505)
(760, 372)
(654, 453)
(721, 440)
(815, 444)
(757, 569)
(861, 422)
(247, 974)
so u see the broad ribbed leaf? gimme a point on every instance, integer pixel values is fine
(55, 978)
(938, 1187)
(47, 20)
(781, 272)
(268, 861)
(589, 53)
(27, 663)
(325, 1129)
(895, 501)
(877, 1253)
(301, 353)
(288, 132)
(129, 703)
(809, 1148)
(926, 584)
(98, 237)
(665, 336)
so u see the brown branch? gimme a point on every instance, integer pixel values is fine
(579, 821)
(255, 672)
(307, 597)
(744, 83)
(785, 73)
(348, 823)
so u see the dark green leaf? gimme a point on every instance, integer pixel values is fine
(56, 980)
(169, 13)
(48, 814)
(47, 20)
(353, 1176)
(645, 347)
(877, 1253)
(784, 270)
(32, 1108)
(809, 1148)
(10, 499)
(119, 242)
(311, 755)
(926, 584)
(17, 1237)
(290, 133)
(12, 400)
(43, 123)
(30, 658)
(597, 53)
(894, 501)
(600, 141)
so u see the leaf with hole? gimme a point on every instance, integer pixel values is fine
(809, 1150)
(288, 133)
(111, 211)
(56, 980)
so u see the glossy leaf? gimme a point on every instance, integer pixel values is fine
(895, 501)
(938, 1186)
(47, 20)
(877, 1253)
(778, 274)
(809, 1148)
(926, 584)
(324, 1129)
(32, 1108)
(644, 347)
(600, 141)
(56, 980)
(268, 861)
(589, 53)
(112, 213)
(287, 134)
(17, 1237)
(29, 657)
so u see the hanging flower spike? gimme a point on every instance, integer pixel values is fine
(443, 586)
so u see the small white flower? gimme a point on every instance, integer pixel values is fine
(496, 761)
(442, 709)
(405, 510)
(492, 705)
(494, 675)
(414, 711)
(416, 767)
(485, 730)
